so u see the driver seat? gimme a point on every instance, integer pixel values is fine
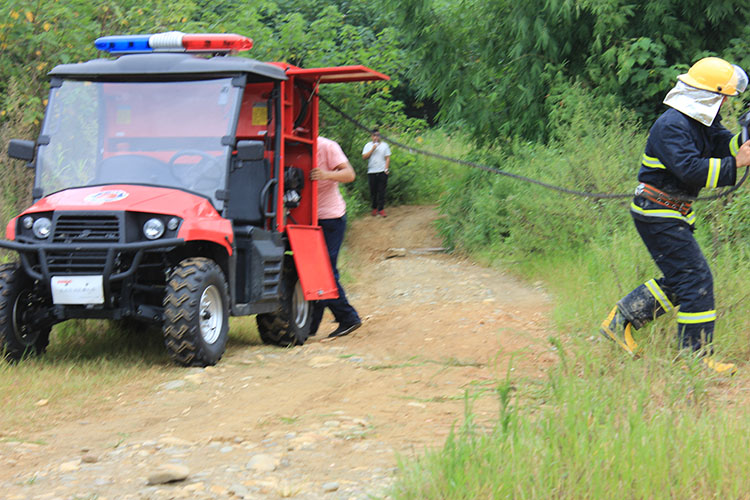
(246, 181)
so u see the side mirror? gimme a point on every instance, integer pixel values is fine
(21, 150)
(250, 150)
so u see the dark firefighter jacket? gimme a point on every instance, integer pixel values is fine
(682, 157)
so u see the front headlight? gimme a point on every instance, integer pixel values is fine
(42, 227)
(153, 229)
(173, 223)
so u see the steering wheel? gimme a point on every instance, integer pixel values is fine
(133, 168)
(202, 176)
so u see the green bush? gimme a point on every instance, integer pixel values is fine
(597, 148)
(476, 212)
(587, 251)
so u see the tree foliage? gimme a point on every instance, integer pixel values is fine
(497, 68)
(37, 35)
(492, 64)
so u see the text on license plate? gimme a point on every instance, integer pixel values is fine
(77, 289)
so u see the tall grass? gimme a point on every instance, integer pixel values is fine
(603, 425)
(600, 428)
(586, 250)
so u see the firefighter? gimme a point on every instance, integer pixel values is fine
(687, 149)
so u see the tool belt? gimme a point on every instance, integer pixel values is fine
(664, 199)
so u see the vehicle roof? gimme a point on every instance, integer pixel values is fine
(156, 66)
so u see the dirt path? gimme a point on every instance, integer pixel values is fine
(325, 420)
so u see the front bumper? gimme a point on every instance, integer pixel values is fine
(41, 250)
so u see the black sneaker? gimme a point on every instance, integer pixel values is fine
(344, 330)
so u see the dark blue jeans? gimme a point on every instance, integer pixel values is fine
(345, 314)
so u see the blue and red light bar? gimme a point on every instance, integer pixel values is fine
(173, 41)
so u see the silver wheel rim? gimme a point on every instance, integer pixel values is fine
(301, 307)
(211, 314)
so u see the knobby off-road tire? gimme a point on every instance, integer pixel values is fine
(196, 313)
(290, 325)
(19, 306)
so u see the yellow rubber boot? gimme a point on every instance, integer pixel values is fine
(720, 368)
(615, 327)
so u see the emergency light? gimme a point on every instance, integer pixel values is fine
(173, 41)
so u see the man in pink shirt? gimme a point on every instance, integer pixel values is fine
(333, 168)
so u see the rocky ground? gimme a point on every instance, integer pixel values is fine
(325, 420)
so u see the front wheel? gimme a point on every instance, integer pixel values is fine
(290, 325)
(196, 313)
(24, 325)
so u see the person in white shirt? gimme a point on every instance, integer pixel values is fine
(378, 156)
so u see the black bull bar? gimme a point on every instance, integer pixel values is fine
(41, 249)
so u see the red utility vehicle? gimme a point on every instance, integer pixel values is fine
(173, 188)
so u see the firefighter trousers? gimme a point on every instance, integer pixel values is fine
(687, 282)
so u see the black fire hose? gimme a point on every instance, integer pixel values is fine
(743, 120)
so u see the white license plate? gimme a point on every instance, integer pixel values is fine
(77, 290)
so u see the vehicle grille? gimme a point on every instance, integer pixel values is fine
(82, 262)
(87, 228)
(82, 229)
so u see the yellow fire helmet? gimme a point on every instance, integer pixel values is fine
(716, 75)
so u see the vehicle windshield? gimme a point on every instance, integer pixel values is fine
(156, 133)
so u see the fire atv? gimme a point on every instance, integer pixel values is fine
(172, 187)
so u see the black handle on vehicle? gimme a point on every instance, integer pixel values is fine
(264, 198)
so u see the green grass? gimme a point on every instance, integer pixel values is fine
(87, 365)
(602, 425)
(587, 283)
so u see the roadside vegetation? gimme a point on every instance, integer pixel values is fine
(603, 425)
(562, 92)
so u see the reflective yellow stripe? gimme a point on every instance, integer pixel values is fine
(734, 145)
(659, 295)
(652, 162)
(693, 318)
(629, 340)
(714, 167)
(665, 213)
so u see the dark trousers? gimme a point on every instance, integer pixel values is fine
(378, 183)
(687, 283)
(345, 314)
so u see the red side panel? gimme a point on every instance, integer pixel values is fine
(313, 263)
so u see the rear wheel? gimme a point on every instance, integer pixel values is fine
(290, 325)
(24, 325)
(196, 313)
